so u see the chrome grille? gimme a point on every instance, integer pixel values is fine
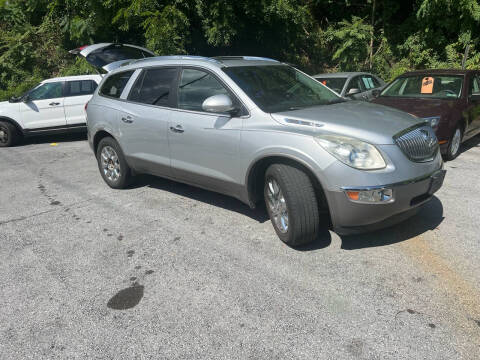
(419, 144)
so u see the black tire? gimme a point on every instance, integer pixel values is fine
(453, 151)
(301, 204)
(9, 134)
(119, 180)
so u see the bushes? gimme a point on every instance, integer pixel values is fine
(314, 35)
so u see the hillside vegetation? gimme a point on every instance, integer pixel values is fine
(387, 37)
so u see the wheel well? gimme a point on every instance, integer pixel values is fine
(99, 136)
(256, 180)
(14, 123)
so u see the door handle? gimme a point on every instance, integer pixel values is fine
(177, 129)
(54, 104)
(127, 119)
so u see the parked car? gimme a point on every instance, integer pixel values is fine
(354, 85)
(448, 99)
(257, 129)
(57, 105)
(53, 106)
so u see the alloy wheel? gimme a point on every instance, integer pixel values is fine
(277, 205)
(110, 163)
(457, 136)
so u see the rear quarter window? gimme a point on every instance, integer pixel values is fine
(114, 84)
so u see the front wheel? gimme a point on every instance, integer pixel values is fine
(453, 149)
(112, 165)
(291, 204)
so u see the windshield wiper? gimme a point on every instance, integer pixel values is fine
(335, 101)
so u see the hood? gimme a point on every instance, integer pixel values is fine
(110, 56)
(422, 108)
(372, 123)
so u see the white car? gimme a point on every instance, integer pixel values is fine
(58, 105)
(54, 105)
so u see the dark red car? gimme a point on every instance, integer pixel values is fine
(448, 99)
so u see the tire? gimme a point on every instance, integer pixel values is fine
(112, 165)
(8, 134)
(299, 202)
(453, 149)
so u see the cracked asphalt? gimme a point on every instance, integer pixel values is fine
(168, 271)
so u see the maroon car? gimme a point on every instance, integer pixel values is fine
(448, 99)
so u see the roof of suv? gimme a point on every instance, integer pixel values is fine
(222, 61)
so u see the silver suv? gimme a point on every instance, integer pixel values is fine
(258, 129)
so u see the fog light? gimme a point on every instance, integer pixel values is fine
(370, 196)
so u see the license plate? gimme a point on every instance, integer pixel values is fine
(436, 181)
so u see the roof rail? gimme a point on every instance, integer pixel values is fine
(177, 57)
(253, 58)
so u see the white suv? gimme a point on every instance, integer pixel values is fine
(55, 105)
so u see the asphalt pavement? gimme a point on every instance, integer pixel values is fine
(164, 270)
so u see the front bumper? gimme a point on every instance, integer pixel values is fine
(350, 217)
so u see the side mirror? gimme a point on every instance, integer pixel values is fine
(375, 93)
(13, 99)
(218, 104)
(353, 91)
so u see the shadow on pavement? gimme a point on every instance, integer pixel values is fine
(47, 139)
(209, 197)
(428, 218)
(470, 143)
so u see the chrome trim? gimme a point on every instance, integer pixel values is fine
(390, 186)
(418, 143)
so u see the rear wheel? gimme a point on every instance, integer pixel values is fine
(454, 146)
(291, 204)
(8, 134)
(112, 165)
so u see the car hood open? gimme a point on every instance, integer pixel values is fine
(110, 56)
(372, 123)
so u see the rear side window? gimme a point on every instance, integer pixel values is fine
(369, 82)
(80, 87)
(154, 86)
(195, 87)
(115, 84)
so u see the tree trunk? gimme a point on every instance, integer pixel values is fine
(372, 34)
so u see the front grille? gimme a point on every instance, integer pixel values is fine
(419, 144)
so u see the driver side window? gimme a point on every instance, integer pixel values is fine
(46, 91)
(355, 83)
(195, 87)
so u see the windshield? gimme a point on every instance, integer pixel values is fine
(336, 84)
(426, 86)
(276, 88)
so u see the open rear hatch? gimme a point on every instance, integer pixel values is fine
(110, 56)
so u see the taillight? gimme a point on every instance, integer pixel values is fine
(86, 106)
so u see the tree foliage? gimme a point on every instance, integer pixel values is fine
(315, 35)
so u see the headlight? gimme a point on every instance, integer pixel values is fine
(433, 121)
(352, 152)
